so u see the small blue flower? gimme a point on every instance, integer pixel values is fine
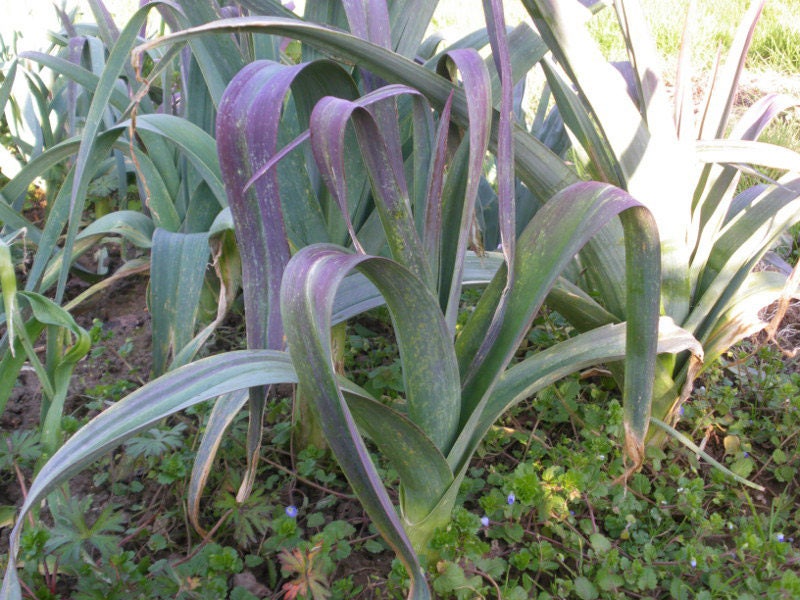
(780, 537)
(291, 512)
(485, 521)
(511, 498)
(693, 563)
(680, 410)
(745, 454)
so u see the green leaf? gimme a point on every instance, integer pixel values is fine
(605, 344)
(178, 267)
(741, 244)
(198, 146)
(225, 410)
(600, 543)
(694, 448)
(639, 145)
(47, 312)
(429, 370)
(421, 466)
(78, 74)
(219, 57)
(555, 234)
(8, 83)
(133, 226)
(141, 410)
(328, 122)
(723, 87)
(8, 287)
(585, 589)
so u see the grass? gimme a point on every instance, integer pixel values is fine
(776, 43)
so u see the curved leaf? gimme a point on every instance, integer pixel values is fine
(422, 468)
(328, 124)
(429, 370)
(602, 345)
(543, 172)
(141, 410)
(745, 238)
(248, 126)
(195, 144)
(132, 225)
(225, 410)
(549, 242)
(741, 318)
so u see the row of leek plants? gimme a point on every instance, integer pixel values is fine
(412, 194)
(683, 161)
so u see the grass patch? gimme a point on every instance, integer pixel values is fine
(776, 42)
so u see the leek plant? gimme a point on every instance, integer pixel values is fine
(83, 127)
(70, 343)
(458, 380)
(685, 169)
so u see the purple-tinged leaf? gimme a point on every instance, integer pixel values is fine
(477, 89)
(247, 137)
(248, 126)
(420, 161)
(432, 229)
(498, 39)
(328, 124)
(429, 369)
(543, 172)
(760, 114)
(547, 245)
(505, 172)
(369, 20)
(276, 158)
(391, 198)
